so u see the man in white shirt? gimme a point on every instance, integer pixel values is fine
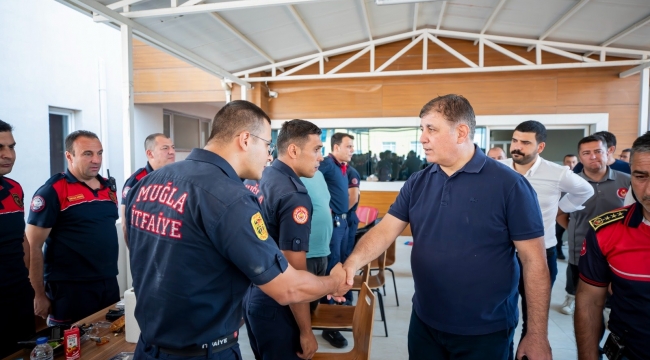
(549, 180)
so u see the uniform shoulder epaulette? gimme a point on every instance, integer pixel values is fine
(54, 178)
(608, 218)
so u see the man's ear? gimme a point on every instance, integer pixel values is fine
(463, 132)
(244, 140)
(293, 151)
(540, 147)
(149, 154)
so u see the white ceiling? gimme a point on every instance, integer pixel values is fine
(337, 23)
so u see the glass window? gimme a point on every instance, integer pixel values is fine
(60, 124)
(167, 119)
(186, 131)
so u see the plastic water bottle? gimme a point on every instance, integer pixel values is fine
(42, 351)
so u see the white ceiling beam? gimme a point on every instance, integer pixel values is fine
(566, 54)
(507, 52)
(207, 8)
(366, 20)
(634, 70)
(494, 14)
(498, 39)
(304, 28)
(242, 37)
(441, 15)
(464, 70)
(416, 10)
(349, 61)
(624, 33)
(452, 51)
(192, 2)
(300, 67)
(561, 20)
(400, 53)
(159, 41)
(122, 3)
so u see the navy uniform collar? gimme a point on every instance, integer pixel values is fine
(473, 166)
(148, 168)
(285, 169)
(635, 217)
(214, 159)
(72, 179)
(335, 161)
(4, 184)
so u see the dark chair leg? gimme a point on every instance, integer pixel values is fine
(381, 310)
(384, 289)
(394, 284)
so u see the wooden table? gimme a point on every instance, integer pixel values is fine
(90, 351)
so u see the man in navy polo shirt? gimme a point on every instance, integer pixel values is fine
(198, 240)
(74, 214)
(468, 214)
(160, 151)
(17, 294)
(287, 210)
(334, 169)
(615, 253)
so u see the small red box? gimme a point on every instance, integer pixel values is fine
(72, 343)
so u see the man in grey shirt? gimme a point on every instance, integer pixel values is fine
(610, 187)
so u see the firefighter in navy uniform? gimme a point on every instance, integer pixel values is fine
(17, 297)
(160, 151)
(74, 215)
(198, 240)
(287, 209)
(615, 254)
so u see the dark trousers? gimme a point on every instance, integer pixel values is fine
(144, 351)
(353, 224)
(17, 302)
(74, 300)
(572, 276)
(318, 267)
(551, 260)
(337, 249)
(272, 331)
(427, 343)
(559, 231)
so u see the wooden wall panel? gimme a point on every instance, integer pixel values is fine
(506, 93)
(381, 200)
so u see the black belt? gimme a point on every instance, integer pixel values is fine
(342, 216)
(217, 345)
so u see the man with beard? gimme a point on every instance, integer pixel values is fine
(550, 181)
(610, 187)
(615, 253)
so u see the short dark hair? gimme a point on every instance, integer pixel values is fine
(626, 150)
(73, 136)
(297, 132)
(592, 138)
(150, 141)
(532, 126)
(609, 138)
(235, 117)
(570, 155)
(454, 108)
(4, 127)
(337, 139)
(641, 145)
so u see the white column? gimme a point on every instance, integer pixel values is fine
(103, 116)
(244, 92)
(127, 100)
(644, 77)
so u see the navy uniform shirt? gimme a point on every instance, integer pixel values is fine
(616, 251)
(12, 230)
(254, 187)
(463, 257)
(82, 244)
(137, 176)
(287, 209)
(618, 165)
(353, 182)
(337, 184)
(197, 240)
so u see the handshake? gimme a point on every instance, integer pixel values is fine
(342, 279)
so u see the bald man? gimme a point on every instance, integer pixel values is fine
(497, 153)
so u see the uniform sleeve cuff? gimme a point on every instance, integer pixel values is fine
(528, 236)
(567, 206)
(399, 216)
(592, 282)
(278, 267)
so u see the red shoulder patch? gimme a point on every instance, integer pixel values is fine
(300, 215)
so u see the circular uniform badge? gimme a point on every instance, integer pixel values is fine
(621, 193)
(125, 191)
(355, 181)
(18, 200)
(38, 203)
(300, 215)
(583, 251)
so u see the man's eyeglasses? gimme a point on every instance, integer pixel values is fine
(268, 143)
